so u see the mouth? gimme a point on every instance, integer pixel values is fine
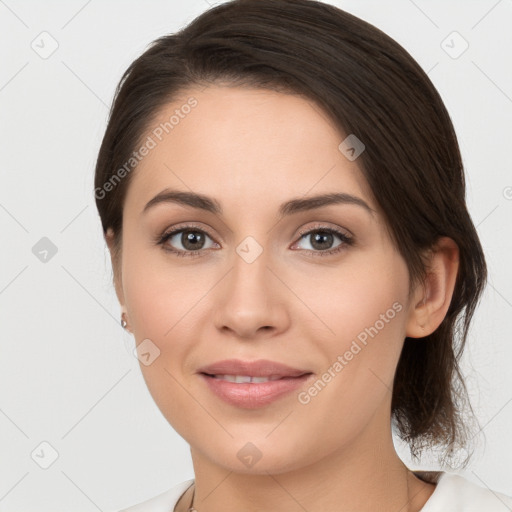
(252, 379)
(253, 391)
(239, 369)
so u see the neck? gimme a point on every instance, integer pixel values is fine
(365, 475)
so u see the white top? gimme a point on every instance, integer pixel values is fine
(453, 493)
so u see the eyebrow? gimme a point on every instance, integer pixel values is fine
(290, 207)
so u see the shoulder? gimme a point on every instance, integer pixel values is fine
(163, 502)
(456, 493)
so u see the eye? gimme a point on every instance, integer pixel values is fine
(321, 238)
(191, 239)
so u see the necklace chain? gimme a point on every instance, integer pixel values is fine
(191, 508)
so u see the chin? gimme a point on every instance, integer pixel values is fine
(257, 457)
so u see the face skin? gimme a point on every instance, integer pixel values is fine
(252, 150)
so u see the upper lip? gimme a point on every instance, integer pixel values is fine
(259, 368)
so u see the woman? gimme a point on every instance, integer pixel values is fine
(282, 193)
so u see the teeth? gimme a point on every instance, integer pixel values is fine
(240, 379)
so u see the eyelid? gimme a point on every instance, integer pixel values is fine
(325, 225)
(347, 240)
(184, 226)
(301, 232)
(345, 236)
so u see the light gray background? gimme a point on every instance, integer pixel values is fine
(67, 373)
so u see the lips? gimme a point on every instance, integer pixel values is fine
(258, 368)
(252, 384)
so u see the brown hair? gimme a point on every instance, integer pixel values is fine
(369, 86)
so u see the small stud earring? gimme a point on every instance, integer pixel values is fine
(124, 323)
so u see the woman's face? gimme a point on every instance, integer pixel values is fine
(266, 281)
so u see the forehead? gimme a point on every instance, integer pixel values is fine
(242, 144)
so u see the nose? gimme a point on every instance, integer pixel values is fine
(251, 301)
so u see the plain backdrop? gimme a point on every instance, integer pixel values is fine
(72, 396)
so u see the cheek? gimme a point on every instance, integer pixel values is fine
(162, 305)
(158, 293)
(168, 305)
(367, 290)
(362, 308)
(365, 310)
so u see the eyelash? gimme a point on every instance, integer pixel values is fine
(346, 240)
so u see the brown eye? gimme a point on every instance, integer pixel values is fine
(186, 241)
(321, 240)
(192, 240)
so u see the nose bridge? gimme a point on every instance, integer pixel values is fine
(249, 283)
(249, 296)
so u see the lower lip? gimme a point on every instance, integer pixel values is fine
(251, 395)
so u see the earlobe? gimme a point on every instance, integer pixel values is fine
(432, 297)
(124, 322)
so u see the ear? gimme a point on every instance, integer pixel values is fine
(115, 258)
(432, 298)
